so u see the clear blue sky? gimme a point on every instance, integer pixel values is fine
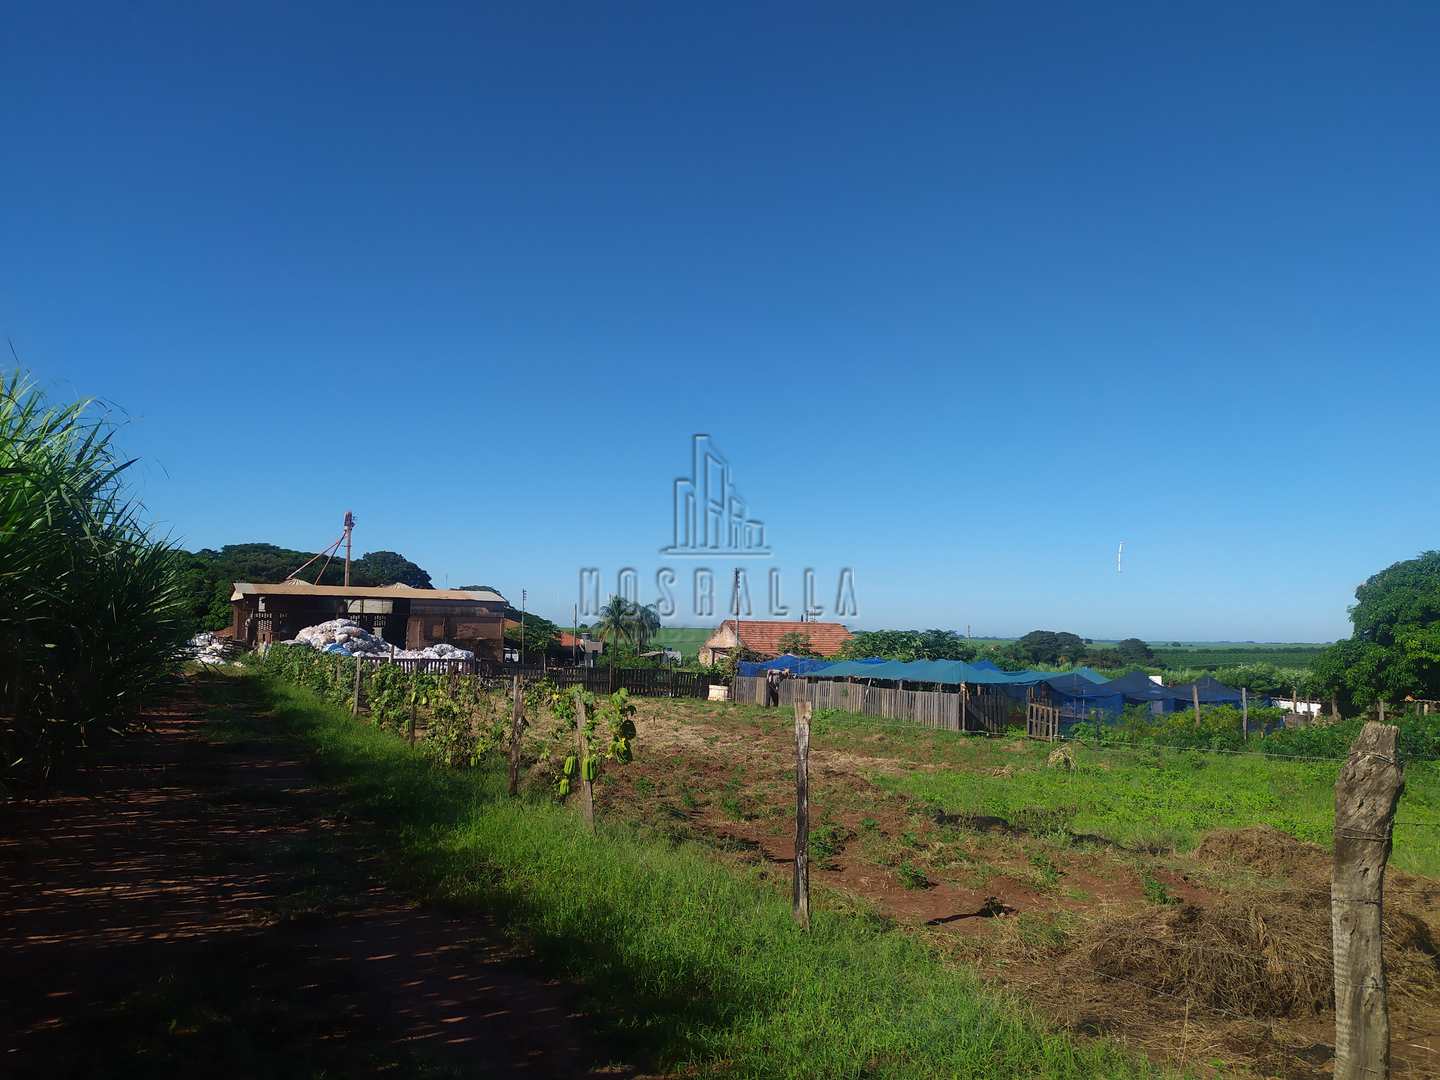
(968, 293)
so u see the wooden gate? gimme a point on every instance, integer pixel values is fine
(1042, 721)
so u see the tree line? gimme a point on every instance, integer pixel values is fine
(1043, 647)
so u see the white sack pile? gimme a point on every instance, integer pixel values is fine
(208, 648)
(350, 638)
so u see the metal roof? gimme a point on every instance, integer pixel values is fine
(383, 592)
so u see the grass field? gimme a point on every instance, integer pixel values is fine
(1172, 901)
(696, 964)
(687, 639)
(1225, 655)
(1105, 895)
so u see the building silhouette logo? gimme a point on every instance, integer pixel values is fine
(710, 515)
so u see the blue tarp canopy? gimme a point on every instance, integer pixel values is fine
(1212, 692)
(1079, 697)
(1139, 688)
(796, 665)
(949, 672)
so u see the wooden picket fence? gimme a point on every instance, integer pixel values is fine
(962, 709)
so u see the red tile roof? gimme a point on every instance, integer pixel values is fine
(764, 637)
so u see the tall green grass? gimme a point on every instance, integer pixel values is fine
(698, 967)
(89, 613)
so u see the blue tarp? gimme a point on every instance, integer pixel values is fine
(796, 665)
(1139, 689)
(1212, 692)
(949, 672)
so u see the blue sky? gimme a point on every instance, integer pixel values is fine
(967, 293)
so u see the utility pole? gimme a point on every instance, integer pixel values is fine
(349, 528)
(575, 635)
(739, 645)
(522, 627)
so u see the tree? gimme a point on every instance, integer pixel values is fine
(1394, 650)
(908, 645)
(538, 637)
(387, 568)
(796, 644)
(1134, 651)
(480, 588)
(1051, 646)
(615, 624)
(645, 623)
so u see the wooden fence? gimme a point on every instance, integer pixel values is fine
(640, 682)
(961, 709)
(1042, 721)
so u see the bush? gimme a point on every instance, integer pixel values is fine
(1220, 728)
(1419, 738)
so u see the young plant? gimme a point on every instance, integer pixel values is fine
(609, 734)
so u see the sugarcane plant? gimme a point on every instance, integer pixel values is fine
(91, 620)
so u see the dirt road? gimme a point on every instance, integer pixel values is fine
(196, 906)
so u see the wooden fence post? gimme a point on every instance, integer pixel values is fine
(517, 727)
(1366, 794)
(414, 704)
(802, 814)
(582, 750)
(1195, 695)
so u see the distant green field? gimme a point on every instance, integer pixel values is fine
(1209, 656)
(686, 639)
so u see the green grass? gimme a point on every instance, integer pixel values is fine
(1213, 656)
(697, 965)
(1161, 798)
(686, 639)
(1138, 796)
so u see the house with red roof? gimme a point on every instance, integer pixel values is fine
(762, 637)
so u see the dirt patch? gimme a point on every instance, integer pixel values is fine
(198, 909)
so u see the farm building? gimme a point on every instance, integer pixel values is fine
(763, 638)
(411, 618)
(582, 647)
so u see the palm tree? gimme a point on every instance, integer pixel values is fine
(645, 621)
(616, 620)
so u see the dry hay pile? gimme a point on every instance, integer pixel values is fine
(1261, 954)
(1226, 972)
